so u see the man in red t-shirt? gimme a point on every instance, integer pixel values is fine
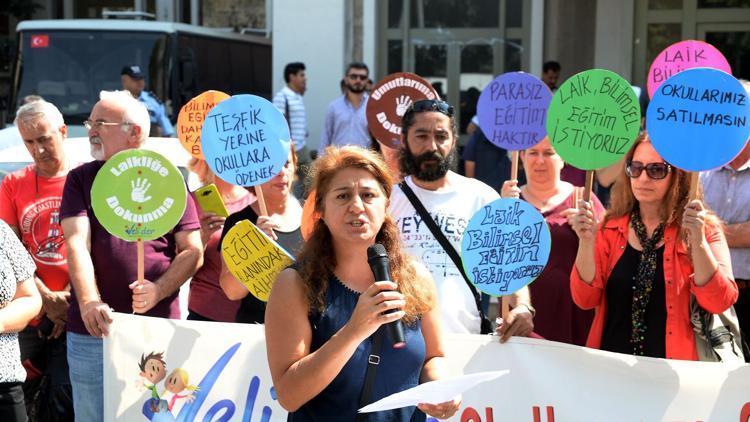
(30, 203)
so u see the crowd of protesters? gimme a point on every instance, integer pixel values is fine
(619, 278)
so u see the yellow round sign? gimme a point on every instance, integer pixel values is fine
(253, 258)
(190, 120)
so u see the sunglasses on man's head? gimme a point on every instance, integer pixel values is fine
(656, 171)
(432, 105)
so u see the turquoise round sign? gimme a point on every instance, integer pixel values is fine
(593, 119)
(138, 195)
(505, 246)
(699, 119)
(245, 140)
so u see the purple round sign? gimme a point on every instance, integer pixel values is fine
(513, 110)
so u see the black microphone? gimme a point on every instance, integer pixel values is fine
(377, 257)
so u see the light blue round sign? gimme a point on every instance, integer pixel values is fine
(699, 119)
(245, 140)
(512, 110)
(505, 246)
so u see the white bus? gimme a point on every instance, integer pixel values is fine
(67, 62)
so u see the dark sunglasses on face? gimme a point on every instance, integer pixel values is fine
(432, 105)
(656, 171)
(357, 76)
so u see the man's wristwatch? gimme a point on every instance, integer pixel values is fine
(529, 307)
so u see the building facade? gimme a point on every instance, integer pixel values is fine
(459, 45)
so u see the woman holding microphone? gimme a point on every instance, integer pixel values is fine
(324, 312)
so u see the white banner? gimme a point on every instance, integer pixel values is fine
(547, 382)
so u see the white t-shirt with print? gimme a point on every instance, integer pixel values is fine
(451, 209)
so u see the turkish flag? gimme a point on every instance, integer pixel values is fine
(39, 41)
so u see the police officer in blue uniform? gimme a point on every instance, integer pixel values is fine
(132, 80)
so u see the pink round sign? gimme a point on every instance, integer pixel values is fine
(681, 56)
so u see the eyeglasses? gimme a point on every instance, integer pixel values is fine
(656, 171)
(357, 76)
(90, 124)
(432, 105)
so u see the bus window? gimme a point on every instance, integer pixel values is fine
(84, 63)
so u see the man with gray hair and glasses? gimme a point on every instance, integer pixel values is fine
(103, 268)
(30, 204)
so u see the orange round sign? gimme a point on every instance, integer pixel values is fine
(388, 102)
(309, 216)
(190, 120)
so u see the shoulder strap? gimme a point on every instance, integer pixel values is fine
(444, 242)
(373, 360)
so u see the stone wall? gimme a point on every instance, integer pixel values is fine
(234, 13)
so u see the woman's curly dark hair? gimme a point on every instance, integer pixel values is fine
(317, 260)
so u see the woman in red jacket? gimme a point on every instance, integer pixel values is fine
(653, 250)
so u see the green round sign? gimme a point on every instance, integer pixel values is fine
(138, 195)
(593, 119)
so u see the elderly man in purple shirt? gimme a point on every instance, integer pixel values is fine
(727, 192)
(346, 123)
(102, 267)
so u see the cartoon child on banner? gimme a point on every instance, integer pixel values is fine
(154, 370)
(177, 384)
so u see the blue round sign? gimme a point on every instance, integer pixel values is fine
(699, 119)
(245, 140)
(505, 246)
(512, 110)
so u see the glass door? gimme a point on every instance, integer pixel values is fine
(734, 41)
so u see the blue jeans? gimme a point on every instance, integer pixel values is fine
(86, 376)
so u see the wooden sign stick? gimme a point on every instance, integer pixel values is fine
(141, 264)
(693, 185)
(261, 200)
(504, 300)
(589, 185)
(514, 165)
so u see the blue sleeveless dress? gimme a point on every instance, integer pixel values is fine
(399, 369)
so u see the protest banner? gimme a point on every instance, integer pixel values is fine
(505, 246)
(253, 258)
(699, 119)
(681, 56)
(512, 110)
(138, 195)
(245, 140)
(547, 381)
(191, 117)
(388, 102)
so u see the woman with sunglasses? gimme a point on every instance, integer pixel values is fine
(557, 317)
(654, 249)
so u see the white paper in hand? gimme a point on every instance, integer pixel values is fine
(433, 392)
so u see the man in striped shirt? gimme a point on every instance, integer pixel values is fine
(289, 102)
